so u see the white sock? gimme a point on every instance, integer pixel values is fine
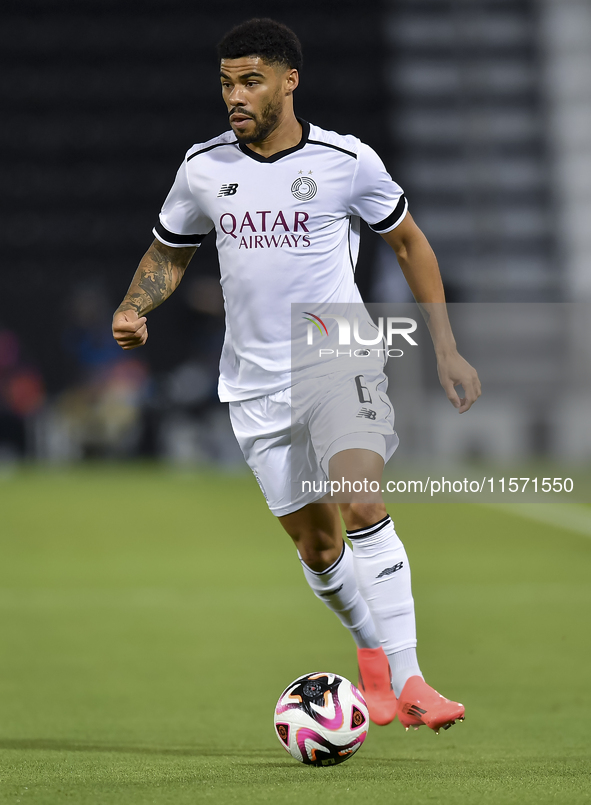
(337, 587)
(383, 578)
(403, 665)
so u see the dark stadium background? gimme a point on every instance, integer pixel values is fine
(101, 100)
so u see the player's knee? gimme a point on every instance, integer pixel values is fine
(362, 514)
(319, 550)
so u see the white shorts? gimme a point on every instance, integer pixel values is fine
(289, 437)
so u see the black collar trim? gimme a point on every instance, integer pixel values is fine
(280, 154)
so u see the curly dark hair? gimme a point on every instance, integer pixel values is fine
(274, 42)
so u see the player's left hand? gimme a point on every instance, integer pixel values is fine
(453, 370)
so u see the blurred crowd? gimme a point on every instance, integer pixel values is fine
(116, 405)
(22, 397)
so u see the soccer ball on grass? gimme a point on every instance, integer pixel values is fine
(321, 719)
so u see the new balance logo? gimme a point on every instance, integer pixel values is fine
(389, 570)
(368, 413)
(228, 190)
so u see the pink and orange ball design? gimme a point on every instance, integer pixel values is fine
(321, 719)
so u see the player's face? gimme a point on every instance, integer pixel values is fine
(255, 94)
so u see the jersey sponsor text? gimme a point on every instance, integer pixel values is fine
(282, 232)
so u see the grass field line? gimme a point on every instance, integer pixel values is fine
(570, 516)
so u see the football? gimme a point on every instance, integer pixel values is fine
(321, 719)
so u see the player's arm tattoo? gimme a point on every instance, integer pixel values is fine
(158, 275)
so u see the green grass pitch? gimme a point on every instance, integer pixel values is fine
(150, 619)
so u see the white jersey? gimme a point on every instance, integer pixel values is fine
(287, 231)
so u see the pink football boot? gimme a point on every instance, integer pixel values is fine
(419, 704)
(375, 685)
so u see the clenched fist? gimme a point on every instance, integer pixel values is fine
(129, 331)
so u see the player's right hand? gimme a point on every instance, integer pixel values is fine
(129, 330)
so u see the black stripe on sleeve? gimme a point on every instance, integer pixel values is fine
(177, 240)
(393, 218)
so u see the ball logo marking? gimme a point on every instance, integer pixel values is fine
(313, 690)
(357, 718)
(304, 189)
(283, 732)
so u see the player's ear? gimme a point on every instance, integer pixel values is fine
(292, 79)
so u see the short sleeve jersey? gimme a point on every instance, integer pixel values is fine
(287, 230)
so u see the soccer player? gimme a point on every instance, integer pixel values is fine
(285, 199)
